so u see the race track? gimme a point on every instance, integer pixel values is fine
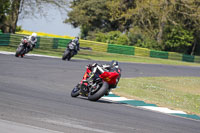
(35, 96)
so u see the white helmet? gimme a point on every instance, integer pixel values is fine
(34, 35)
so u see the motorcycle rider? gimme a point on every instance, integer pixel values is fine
(76, 41)
(32, 40)
(99, 69)
(96, 70)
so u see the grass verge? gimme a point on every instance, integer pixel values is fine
(90, 55)
(182, 93)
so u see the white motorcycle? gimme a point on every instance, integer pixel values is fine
(70, 51)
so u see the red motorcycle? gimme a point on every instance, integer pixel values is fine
(95, 86)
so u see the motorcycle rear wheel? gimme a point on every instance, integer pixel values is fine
(101, 92)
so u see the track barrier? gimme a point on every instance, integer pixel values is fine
(49, 43)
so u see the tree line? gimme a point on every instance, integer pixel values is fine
(12, 10)
(169, 25)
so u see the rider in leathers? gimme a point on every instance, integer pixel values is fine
(99, 69)
(32, 40)
(76, 41)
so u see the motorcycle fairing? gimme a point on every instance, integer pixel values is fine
(109, 77)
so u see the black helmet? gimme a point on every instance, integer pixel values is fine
(114, 63)
(91, 66)
(75, 40)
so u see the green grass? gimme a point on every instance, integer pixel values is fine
(182, 93)
(90, 55)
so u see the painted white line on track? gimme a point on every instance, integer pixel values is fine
(163, 110)
(7, 53)
(9, 127)
(158, 109)
(43, 56)
(116, 98)
(38, 55)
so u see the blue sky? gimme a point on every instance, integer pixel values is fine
(53, 24)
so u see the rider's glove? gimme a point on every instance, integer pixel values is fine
(94, 64)
(89, 66)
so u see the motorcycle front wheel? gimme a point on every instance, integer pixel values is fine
(19, 50)
(98, 94)
(69, 57)
(65, 55)
(75, 92)
(71, 54)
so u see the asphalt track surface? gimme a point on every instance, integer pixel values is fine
(35, 91)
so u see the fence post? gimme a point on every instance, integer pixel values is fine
(4, 39)
(38, 42)
(121, 49)
(188, 58)
(55, 43)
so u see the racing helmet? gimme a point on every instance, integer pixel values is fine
(114, 63)
(33, 36)
(77, 37)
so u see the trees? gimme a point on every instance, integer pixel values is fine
(187, 15)
(141, 21)
(121, 13)
(146, 23)
(178, 39)
(4, 9)
(100, 15)
(182, 16)
(113, 37)
(11, 9)
(90, 15)
(12, 17)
